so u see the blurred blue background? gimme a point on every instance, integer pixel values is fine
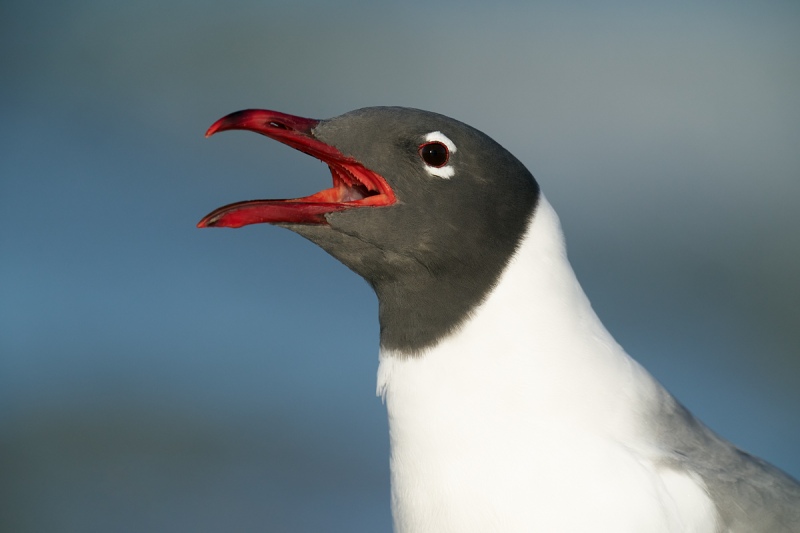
(156, 377)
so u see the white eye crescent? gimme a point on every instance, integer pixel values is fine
(436, 152)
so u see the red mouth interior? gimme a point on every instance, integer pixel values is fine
(354, 185)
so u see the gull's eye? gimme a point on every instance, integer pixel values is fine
(436, 151)
(435, 154)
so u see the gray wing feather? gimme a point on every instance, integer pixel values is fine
(751, 496)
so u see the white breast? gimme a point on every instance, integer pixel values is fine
(529, 418)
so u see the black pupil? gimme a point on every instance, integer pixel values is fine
(434, 154)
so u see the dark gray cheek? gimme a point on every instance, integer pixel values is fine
(379, 225)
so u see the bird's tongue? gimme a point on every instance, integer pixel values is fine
(354, 185)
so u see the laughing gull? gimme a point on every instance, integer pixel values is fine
(511, 408)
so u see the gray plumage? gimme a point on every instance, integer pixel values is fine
(750, 494)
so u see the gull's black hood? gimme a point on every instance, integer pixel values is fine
(427, 209)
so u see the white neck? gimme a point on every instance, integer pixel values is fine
(529, 417)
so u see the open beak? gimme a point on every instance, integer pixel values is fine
(354, 185)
